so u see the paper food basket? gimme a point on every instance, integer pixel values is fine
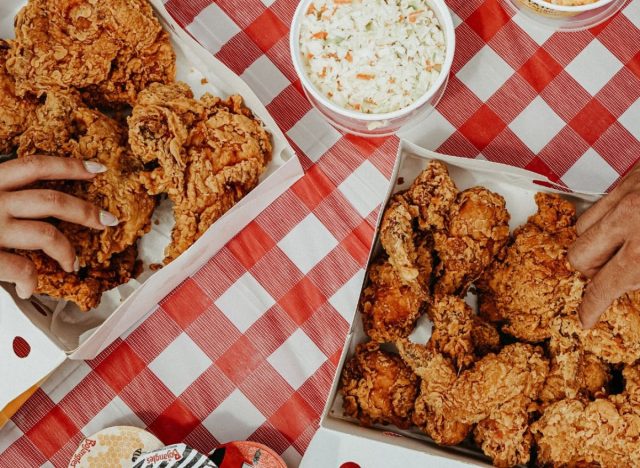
(35, 340)
(340, 441)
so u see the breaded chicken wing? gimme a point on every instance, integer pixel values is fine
(477, 228)
(604, 432)
(64, 127)
(209, 154)
(431, 196)
(389, 307)
(110, 51)
(378, 388)
(532, 282)
(15, 113)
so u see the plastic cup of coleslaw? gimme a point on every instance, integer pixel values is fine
(565, 15)
(371, 67)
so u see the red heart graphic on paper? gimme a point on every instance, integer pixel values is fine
(350, 465)
(21, 347)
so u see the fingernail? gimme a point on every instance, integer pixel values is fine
(94, 167)
(21, 294)
(76, 264)
(107, 219)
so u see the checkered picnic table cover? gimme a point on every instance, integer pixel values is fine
(247, 348)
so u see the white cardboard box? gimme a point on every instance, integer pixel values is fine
(68, 333)
(340, 439)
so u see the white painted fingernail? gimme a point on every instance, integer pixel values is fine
(21, 294)
(76, 264)
(94, 167)
(107, 219)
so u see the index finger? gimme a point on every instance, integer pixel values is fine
(608, 202)
(612, 281)
(23, 171)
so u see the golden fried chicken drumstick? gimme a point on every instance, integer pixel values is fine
(109, 50)
(209, 154)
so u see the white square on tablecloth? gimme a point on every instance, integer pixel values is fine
(213, 28)
(64, 379)
(365, 188)
(594, 67)
(430, 133)
(116, 413)
(590, 173)
(292, 457)
(537, 124)
(485, 73)
(297, 359)
(314, 135)
(267, 3)
(308, 243)
(264, 78)
(631, 119)
(632, 11)
(176, 372)
(245, 302)
(457, 21)
(345, 299)
(236, 418)
(538, 34)
(9, 434)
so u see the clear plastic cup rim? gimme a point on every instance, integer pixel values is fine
(570, 8)
(450, 38)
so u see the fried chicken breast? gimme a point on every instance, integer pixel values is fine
(604, 432)
(15, 113)
(378, 388)
(64, 127)
(110, 51)
(209, 154)
(532, 282)
(477, 228)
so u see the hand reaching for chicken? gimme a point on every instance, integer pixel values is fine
(608, 248)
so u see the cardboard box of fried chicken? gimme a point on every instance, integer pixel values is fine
(465, 347)
(191, 156)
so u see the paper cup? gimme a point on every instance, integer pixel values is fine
(382, 124)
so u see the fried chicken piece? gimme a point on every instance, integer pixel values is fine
(85, 288)
(532, 282)
(210, 152)
(437, 377)
(378, 388)
(616, 336)
(431, 196)
(108, 50)
(574, 371)
(452, 333)
(604, 432)
(397, 237)
(15, 113)
(505, 436)
(64, 127)
(389, 307)
(477, 229)
(517, 370)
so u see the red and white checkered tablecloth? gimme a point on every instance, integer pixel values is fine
(247, 348)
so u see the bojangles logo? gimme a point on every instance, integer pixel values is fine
(85, 448)
(172, 454)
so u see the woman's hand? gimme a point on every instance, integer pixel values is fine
(19, 208)
(608, 248)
